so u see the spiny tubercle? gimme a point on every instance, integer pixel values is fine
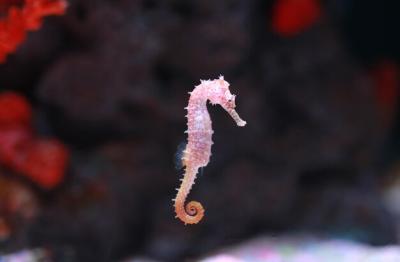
(198, 149)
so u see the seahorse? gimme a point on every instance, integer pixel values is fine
(198, 149)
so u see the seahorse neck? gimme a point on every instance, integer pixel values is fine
(198, 98)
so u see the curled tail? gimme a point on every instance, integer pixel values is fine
(193, 212)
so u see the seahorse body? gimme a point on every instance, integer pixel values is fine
(198, 149)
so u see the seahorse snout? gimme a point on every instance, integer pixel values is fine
(240, 122)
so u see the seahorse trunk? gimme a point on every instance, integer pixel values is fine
(192, 212)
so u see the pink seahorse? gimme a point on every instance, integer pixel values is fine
(198, 149)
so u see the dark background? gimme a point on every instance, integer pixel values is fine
(110, 80)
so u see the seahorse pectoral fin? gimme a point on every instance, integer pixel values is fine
(232, 112)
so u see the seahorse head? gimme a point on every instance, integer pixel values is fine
(219, 93)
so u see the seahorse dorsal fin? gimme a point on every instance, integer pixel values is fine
(179, 156)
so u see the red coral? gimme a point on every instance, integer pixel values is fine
(42, 161)
(13, 143)
(14, 26)
(14, 110)
(45, 163)
(291, 17)
(15, 119)
(385, 76)
(386, 80)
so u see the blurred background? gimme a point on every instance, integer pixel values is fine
(92, 112)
